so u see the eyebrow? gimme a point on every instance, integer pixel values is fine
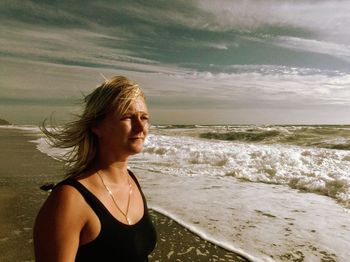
(132, 112)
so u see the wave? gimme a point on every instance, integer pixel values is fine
(242, 136)
(30, 128)
(175, 126)
(316, 170)
(332, 137)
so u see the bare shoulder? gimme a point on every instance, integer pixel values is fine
(64, 202)
(58, 225)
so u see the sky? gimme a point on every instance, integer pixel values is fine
(199, 62)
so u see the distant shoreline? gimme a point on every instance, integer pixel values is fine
(4, 122)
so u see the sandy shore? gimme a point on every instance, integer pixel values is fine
(176, 243)
(23, 169)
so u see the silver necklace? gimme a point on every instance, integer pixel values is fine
(125, 214)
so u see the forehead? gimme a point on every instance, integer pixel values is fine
(137, 105)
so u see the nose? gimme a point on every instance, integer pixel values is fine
(140, 125)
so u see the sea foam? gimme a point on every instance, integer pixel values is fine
(317, 170)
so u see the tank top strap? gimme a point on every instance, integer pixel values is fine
(135, 179)
(89, 197)
(139, 187)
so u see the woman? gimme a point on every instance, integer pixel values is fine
(99, 212)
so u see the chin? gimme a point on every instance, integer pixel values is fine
(135, 147)
(135, 150)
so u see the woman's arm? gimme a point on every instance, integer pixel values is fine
(58, 225)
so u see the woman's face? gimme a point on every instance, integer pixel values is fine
(122, 136)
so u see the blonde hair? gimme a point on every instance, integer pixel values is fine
(117, 94)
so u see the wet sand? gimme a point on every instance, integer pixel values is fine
(176, 243)
(23, 169)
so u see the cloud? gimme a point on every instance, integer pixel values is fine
(322, 16)
(176, 32)
(196, 55)
(40, 12)
(219, 46)
(68, 46)
(269, 87)
(339, 50)
(320, 27)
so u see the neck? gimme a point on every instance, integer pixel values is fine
(115, 173)
(108, 156)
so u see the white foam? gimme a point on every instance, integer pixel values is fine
(196, 230)
(259, 221)
(44, 147)
(319, 170)
(31, 128)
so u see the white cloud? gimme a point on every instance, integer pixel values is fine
(75, 46)
(41, 12)
(219, 46)
(293, 87)
(339, 50)
(327, 18)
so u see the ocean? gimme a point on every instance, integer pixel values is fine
(271, 193)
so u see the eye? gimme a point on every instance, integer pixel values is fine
(145, 118)
(125, 117)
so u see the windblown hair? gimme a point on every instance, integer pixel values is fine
(77, 137)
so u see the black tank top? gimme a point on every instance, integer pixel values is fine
(116, 240)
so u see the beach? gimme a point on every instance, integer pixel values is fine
(210, 199)
(177, 243)
(23, 169)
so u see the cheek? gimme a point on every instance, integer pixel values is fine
(145, 131)
(110, 133)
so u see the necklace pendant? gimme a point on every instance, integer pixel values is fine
(115, 203)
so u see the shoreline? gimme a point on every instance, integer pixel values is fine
(178, 243)
(31, 168)
(238, 253)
